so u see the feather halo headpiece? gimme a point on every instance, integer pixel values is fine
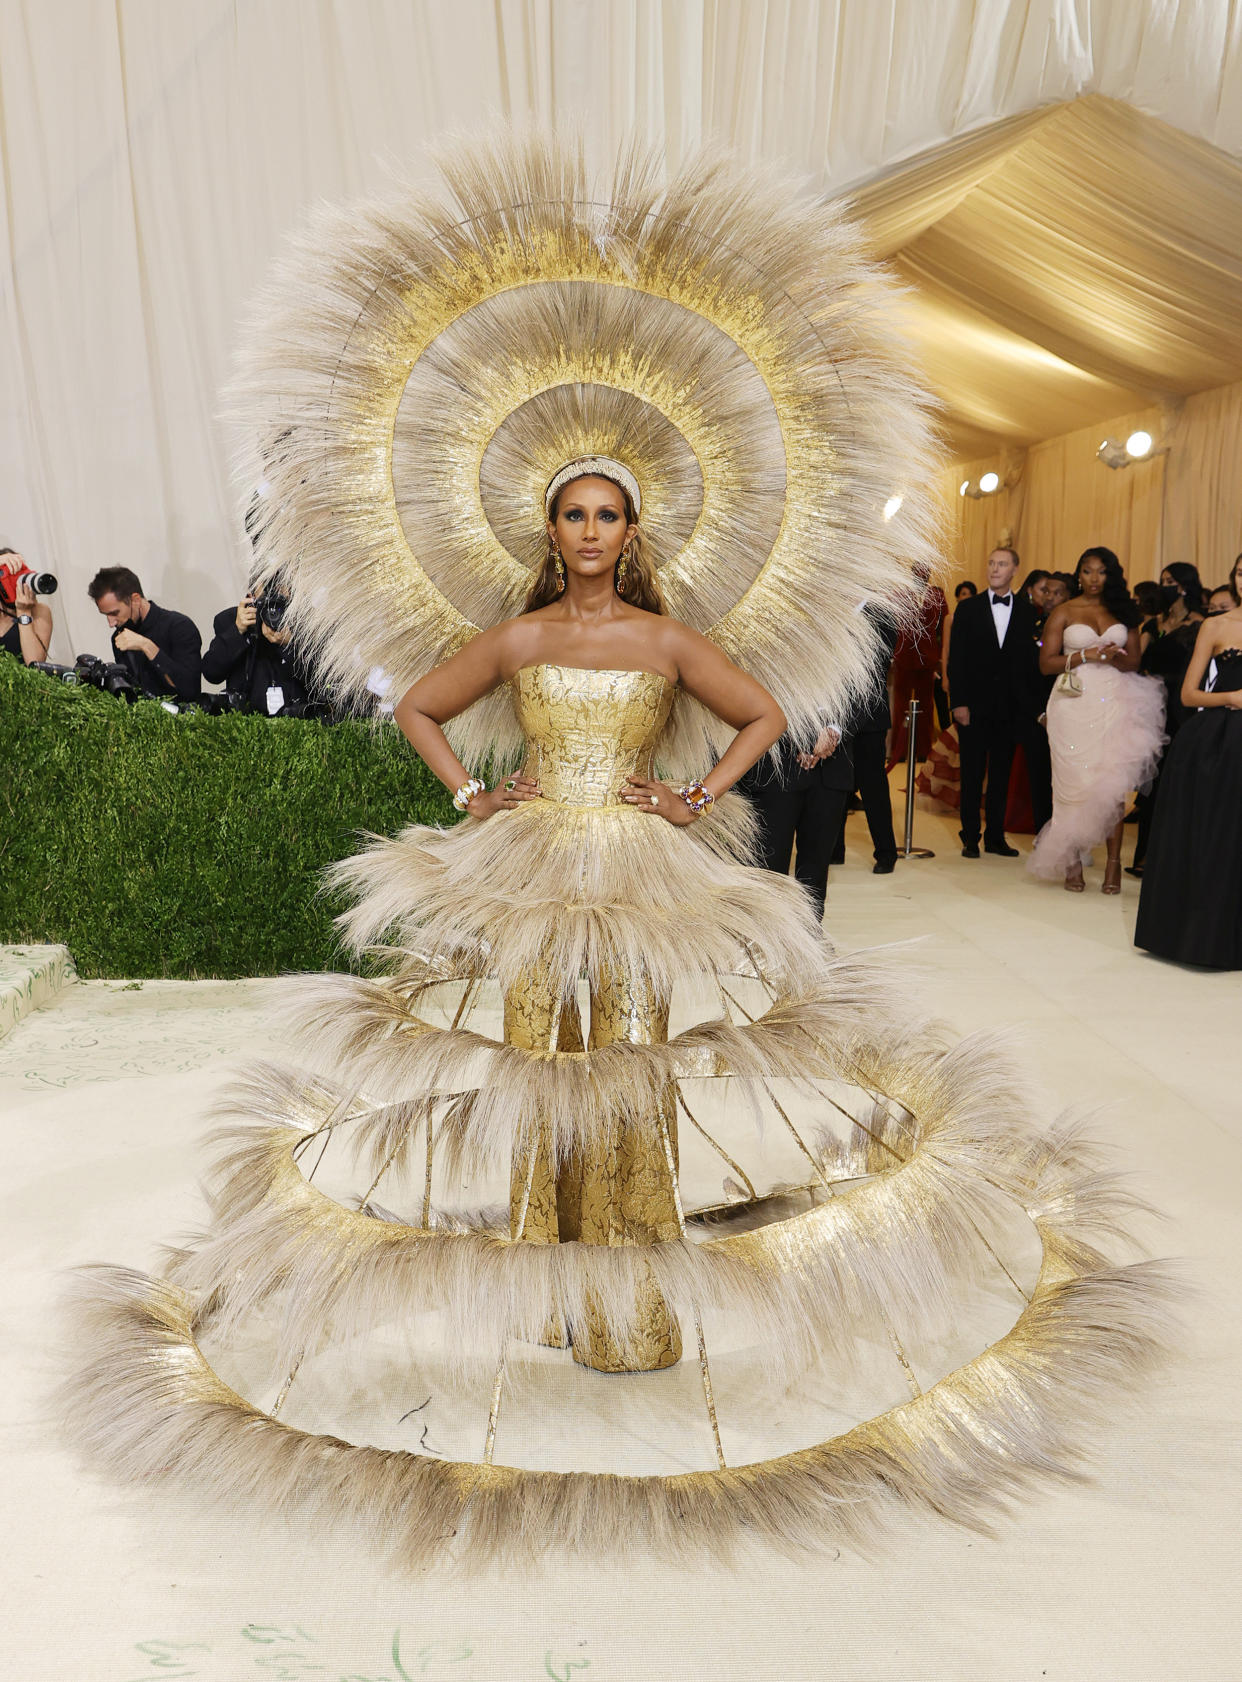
(419, 368)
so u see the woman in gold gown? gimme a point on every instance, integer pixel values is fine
(593, 664)
(592, 398)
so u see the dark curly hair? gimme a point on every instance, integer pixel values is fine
(1116, 594)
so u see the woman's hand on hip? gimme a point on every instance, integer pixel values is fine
(658, 799)
(512, 792)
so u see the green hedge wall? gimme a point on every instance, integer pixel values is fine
(155, 844)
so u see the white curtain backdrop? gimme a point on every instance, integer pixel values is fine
(154, 153)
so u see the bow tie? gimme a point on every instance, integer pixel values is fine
(1001, 601)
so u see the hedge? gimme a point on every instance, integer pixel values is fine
(154, 844)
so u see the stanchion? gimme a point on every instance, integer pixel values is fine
(912, 727)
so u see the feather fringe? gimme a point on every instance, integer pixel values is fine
(898, 1244)
(150, 1409)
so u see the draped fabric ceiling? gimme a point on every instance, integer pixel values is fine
(1068, 266)
(1053, 177)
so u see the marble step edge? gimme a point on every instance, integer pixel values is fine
(31, 976)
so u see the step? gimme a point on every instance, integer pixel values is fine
(31, 976)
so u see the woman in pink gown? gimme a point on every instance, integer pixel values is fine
(1105, 740)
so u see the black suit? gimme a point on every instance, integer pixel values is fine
(808, 806)
(868, 729)
(1005, 692)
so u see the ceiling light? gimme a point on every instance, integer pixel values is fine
(963, 487)
(1138, 445)
(891, 506)
(990, 482)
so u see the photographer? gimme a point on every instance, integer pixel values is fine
(161, 649)
(26, 620)
(251, 655)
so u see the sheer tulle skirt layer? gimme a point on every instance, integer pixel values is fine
(1104, 743)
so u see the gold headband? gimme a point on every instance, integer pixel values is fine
(600, 467)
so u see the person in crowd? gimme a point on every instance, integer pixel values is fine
(867, 731)
(803, 798)
(1058, 587)
(162, 649)
(1180, 600)
(940, 777)
(997, 698)
(1190, 906)
(1166, 643)
(1147, 599)
(252, 655)
(1105, 722)
(26, 621)
(916, 662)
(1221, 600)
(1032, 587)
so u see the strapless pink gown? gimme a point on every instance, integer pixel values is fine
(1104, 743)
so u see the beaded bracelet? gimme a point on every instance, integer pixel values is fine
(466, 793)
(696, 797)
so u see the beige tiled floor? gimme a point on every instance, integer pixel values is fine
(104, 1097)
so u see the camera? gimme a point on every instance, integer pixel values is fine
(105, 675)
(51, 668)
(270, 610)
(40, 583)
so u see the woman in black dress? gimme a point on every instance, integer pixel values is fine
(1191, 904)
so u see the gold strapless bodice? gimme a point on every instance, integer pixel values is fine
(586, 731)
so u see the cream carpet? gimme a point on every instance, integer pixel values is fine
(103, 1095)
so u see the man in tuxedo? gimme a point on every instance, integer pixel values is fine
(997, 696)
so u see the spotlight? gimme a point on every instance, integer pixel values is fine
(1139, 446)
(891, 506)
(963, 487)
(990, 482)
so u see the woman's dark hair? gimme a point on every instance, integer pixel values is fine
(642, 587)
(1147, 595)
(1032, 577)
(964, 589)
(1187, 579)
(1231, 583)
(1116, 593)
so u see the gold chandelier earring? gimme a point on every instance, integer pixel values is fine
(559, 564)
(623, 566)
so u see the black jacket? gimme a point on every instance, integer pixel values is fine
(779, 769)
(873, 713)
(249, 665)
(995, 680)
(179, 658)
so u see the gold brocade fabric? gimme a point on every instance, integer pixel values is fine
(585, 732)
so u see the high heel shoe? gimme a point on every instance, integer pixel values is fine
(1112, 877)
(1075, 884)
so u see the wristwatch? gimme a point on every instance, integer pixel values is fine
(25, 619)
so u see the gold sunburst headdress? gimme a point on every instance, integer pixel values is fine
(420, 367)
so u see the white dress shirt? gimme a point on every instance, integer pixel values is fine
(1001, 612)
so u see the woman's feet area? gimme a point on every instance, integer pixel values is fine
(1074, 883)
(1112, 877)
